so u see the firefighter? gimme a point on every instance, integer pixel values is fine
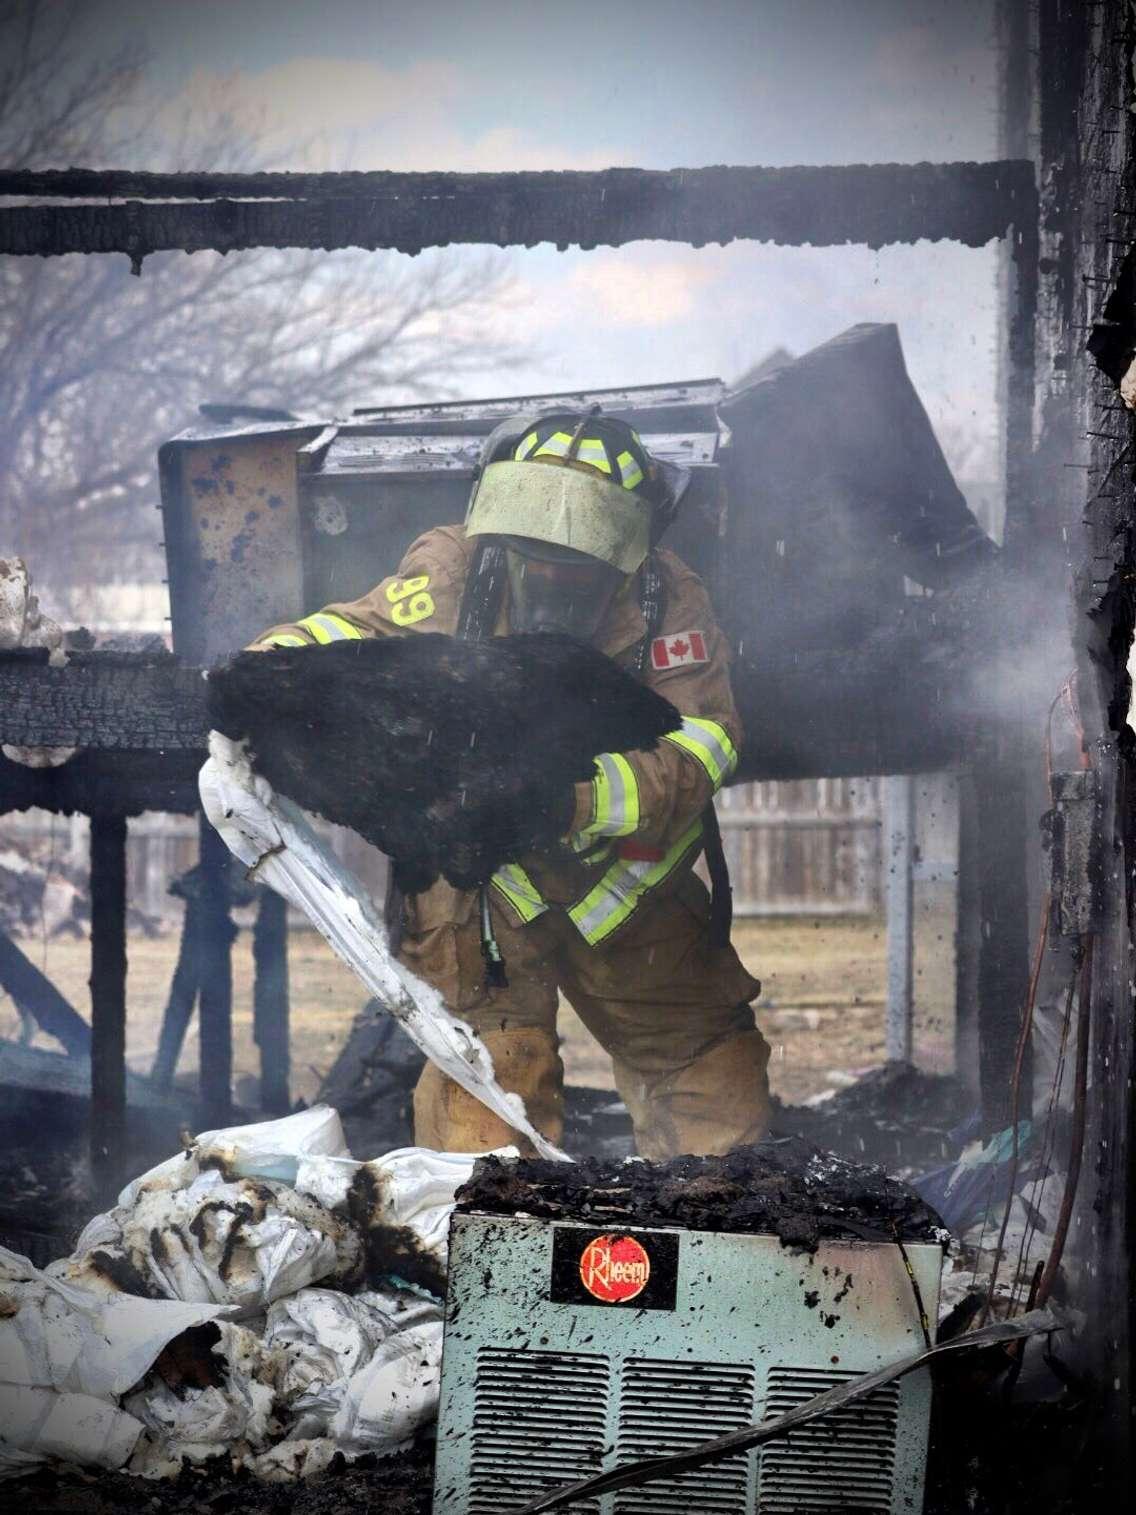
(560, 536)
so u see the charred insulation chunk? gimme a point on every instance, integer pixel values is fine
(452, 757)
(782, 1186)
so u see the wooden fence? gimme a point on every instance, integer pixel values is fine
(805, 847)
(809, 847)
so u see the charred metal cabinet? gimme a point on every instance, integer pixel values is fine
(270, 521)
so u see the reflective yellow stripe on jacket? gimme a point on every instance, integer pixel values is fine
(326, 627)
(710, 744)
(615, 796)
(518, 889)
(286, 639)
(590, 850)
(612, 899)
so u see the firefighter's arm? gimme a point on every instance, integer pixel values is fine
(421, 596)
(655, 796)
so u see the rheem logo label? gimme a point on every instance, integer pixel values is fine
(614, 1268)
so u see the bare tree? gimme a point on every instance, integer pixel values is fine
(97, 367)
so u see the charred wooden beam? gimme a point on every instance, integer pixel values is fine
(874, 204)
(108, 1003)
(107, 783)
(889, 707)
(182, 998)
(214, 939)
(815, 714)
(34, 994)
(113, 701)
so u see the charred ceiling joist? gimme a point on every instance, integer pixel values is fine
(872, 204)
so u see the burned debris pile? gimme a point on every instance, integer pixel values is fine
(897, 1114)
(782, 1186)
(452, 757)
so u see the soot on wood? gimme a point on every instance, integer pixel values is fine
(452, 757)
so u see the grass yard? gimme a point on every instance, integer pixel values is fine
(821, 1006)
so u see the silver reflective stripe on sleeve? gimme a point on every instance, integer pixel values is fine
(590, 850)
(328, 627)
(615, 792)
(614, 897)
(514, 885)
(710, 743)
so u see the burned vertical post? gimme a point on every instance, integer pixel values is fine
(183, 994)
(968, 936)
(1003, 946)
(900, 896)
(1088, 161)
(270, 1000)
(108, 1003)
(1003, 762)
(215, 977)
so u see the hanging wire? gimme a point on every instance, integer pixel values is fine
(1077, 1139)
(1049, 1145)
(917, 1292)
(1066, 695)
(1024, 1033)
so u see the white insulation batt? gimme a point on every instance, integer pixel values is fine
(224, 1307)
(273, 838)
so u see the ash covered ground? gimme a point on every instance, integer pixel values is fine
(400, 1485)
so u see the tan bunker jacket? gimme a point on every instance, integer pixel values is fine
(614, 920)
(637, 824)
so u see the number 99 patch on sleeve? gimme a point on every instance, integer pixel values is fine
(410, 600)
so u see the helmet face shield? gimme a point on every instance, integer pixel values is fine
(559, 591)
(568, 507)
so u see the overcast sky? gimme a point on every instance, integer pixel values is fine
(435, 84)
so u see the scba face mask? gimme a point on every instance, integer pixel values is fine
(556, 589)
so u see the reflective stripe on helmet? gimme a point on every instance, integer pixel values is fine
(591, 450)
(326, 627)
(514, 884)
(630, 474)
(555, 446)
(710, 744)
(615, 792)
(615, 896)
(286, 639)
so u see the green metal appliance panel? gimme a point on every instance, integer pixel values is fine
(537, 1392)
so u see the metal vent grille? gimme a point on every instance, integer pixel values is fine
(539, 1420)
(843, 1462)
(670, 1406)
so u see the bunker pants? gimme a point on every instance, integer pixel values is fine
(671, 1009)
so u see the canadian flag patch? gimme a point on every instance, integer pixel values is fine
(678, 648)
